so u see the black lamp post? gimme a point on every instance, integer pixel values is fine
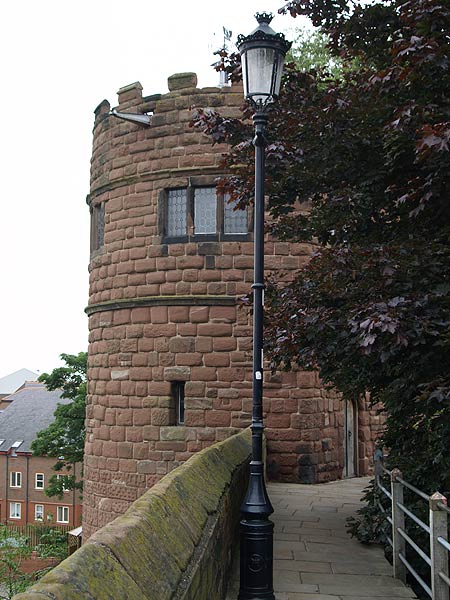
(262, 58)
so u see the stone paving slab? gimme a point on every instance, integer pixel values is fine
(314, 558)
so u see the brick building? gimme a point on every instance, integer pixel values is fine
(170, 345)
(24, 477)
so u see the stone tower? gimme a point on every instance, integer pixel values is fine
(170, 345)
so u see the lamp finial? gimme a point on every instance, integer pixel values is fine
(264, 17)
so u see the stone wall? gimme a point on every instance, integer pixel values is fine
(174, 543)
(162, 312)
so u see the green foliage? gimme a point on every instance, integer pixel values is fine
(360, 164)
(14, 549)
(310, 51)
(370, 524)
(53, 544)
(64, 438)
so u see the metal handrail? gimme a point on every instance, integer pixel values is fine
(444, 543)
(437, 530)
(412, 516)
(444, 507)
(416, 575)
(388, 494)
(413, 544)
(413, 489)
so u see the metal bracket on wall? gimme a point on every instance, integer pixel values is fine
(139, 119)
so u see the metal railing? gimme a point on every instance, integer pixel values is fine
(437, 531)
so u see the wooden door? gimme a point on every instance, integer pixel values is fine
(350, 439)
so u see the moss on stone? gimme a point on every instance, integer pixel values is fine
(161, 542)
(89, 573)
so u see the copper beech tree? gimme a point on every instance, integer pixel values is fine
(367, 152)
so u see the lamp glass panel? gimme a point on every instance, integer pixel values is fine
(279, 73)
(259, 65)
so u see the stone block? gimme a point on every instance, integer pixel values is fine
(182, 81)
(182, 344)
(176, 433)
(181, 373)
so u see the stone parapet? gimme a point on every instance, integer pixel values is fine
(174, 542)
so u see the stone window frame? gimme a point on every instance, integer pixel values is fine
(190, 185)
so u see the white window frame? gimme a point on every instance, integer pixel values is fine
(16, 477)
(36, 486)
(15, 510)
(62, 511)
(41, 511)
(59, 477)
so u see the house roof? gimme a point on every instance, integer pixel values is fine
(12, 382)
(30, 411)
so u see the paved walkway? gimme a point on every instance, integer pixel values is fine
(314, 557)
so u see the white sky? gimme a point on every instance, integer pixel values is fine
(60, 60)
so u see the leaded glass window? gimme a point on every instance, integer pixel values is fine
(205, 210)
(176, 213)
(234, 221)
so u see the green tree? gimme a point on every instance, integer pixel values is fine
(368, 153)
(310, 50)
(64, 438)
(14, 549)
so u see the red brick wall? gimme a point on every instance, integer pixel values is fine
(169, 312)
(28, 496)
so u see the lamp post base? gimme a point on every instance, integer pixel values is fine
(256, 581)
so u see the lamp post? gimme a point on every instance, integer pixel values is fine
(262, 57)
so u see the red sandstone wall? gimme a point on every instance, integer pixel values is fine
(168, 312)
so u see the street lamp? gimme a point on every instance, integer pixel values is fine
(262, 58)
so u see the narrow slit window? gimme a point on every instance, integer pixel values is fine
(178, 393)
(97, 226)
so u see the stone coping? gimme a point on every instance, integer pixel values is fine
(170, 544)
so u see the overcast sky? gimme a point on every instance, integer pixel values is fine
(60, 59)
